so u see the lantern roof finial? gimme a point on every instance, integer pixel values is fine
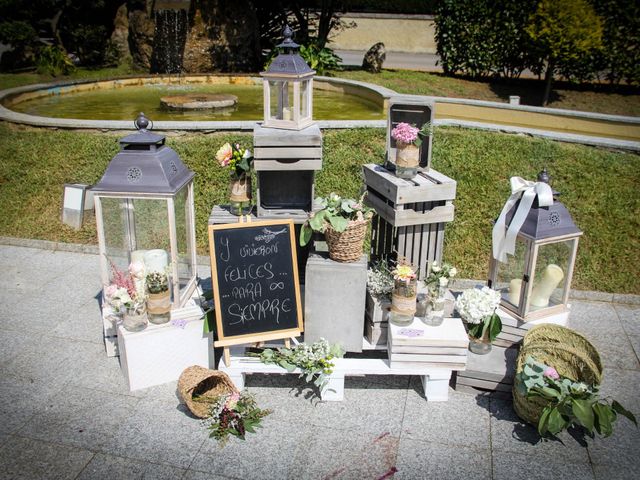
(543, 175)
(288, 42)
(142, 122)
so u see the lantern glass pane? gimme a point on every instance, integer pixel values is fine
(151, 224)
(550, 279)
(304, 100)
(116, 237)
(183, 227)
(509, 275)
(281, 100)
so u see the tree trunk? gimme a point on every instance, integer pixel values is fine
(548, 79)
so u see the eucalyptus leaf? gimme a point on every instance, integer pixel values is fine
(550, 392)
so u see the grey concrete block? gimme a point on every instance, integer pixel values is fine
(626, 298)
(599, 322)
(425, 461)
(109, 467)
(260, 456)
(463, 420)
(159, 432)
(25, 458)
(590, 296)
(357, 455)
(630, 317)
(498, 366)
(335, 301)
(510, 466)
(80, 417)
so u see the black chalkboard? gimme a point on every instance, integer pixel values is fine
(255, 281)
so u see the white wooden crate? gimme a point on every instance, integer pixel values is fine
(159, 353)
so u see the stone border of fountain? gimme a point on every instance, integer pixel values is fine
(612, 131)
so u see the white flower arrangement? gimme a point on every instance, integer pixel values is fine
(475, 305)
(380, 280)
(440, 275)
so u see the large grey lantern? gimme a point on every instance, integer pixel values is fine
(145, 211)
(288, 88)
(536, 279)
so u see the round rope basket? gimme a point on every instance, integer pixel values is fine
(206, 385)
(346, 246)
(572, 355)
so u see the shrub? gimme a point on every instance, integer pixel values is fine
(53, 60)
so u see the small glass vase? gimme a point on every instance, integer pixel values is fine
(159, 307)
(407, 160)
(403, 302)
(135, 319)
(435, 310)
(240, 194)
(480, 346)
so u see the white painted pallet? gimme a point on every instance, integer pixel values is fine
(435, 380)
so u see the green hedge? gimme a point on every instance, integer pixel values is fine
(484, 38)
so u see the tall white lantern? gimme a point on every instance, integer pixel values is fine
(288, 88)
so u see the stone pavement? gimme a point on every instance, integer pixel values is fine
(65, 411)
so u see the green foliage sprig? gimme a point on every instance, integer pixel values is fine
(54, 61)
(233, 414)
(337, 212)
(570, 403)
(315, 360)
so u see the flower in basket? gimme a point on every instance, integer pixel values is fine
(236, 159)
(336, 212)
(409, 134)
(478, 308)
(124, 293)
(380, 280)
(234, 414)
(568, 402)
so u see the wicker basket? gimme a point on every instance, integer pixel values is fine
(562, 348)
(204, 383)
(346, 246)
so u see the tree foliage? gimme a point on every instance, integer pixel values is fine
(563, 32)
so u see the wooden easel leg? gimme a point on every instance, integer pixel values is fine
(227, 357)
(287, 343)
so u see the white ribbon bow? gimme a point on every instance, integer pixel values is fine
(504, 240)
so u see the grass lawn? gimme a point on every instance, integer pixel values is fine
(600, 188)
(592, 98)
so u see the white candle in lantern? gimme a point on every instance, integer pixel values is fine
(138, 256)
(156, 260)
(515, 286)
(286, 113)
(542, 291)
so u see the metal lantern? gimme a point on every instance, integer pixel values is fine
(288, 88)
(536, 279)
(145, 211)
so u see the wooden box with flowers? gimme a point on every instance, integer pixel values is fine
(285, 164)
(411, 215)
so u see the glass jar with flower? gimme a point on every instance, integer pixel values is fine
(408, 141)
(238, 161)
(159, 298)
(126, 295)
(477, 307)
(403, 297)
(437, 282)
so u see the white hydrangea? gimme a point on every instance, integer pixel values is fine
(474, 304)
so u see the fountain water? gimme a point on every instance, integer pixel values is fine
(171, 28)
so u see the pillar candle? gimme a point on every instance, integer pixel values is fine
(156, 260)
(286, 113)
(138, 256)
(514, 290)
(542, 291)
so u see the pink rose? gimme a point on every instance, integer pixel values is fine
(551, 373)
(136, 269)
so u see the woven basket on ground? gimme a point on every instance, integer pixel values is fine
(346, 246)
(563, 349)
(205, 384)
